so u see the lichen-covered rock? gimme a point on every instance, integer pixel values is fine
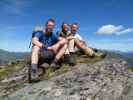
(108, 79)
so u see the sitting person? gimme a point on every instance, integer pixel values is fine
(78, 41)
(63, 34)
(64, 30)
(75, 40)
(45, 42)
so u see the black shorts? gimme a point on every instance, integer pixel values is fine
(46, 56)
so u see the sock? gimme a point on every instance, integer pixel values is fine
(72, 53)
(56, 60)
(34, 66)
(67, 55)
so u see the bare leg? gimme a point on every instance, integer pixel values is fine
(35, 54)
(61, 52)
(59, 49)
(57, 46)
(33, 69)
(67, 51)
(88, 51)
(71, 45)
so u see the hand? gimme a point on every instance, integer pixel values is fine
(70, 37)
(42, 45)
(49, 48)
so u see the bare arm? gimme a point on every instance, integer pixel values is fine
(70, 37)
(35, 41)
(60, 38)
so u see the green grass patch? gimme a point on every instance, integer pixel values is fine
(13, 67)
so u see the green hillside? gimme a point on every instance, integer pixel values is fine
(6, 56)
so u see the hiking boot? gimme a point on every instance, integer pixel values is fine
(33, 75)
(55, 64)
(92, 56)
(45, 65)
(95, 50)
(72, 59)
(100, 54)
(66, 58)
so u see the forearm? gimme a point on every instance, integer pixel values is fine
(70, 37)
(60, 38)
(37, 43)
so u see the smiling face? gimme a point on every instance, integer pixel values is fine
(49, 26)
(74, 28)
(65, 27)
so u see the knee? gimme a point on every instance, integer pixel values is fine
(72, 40)
(65, 46)
(35, 49)
(82, 45)
(64, 41)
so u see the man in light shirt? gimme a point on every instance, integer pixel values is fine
(75, 40)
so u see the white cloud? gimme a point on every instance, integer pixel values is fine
(112, 29)
(129, 30)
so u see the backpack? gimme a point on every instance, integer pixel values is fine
(35, 30)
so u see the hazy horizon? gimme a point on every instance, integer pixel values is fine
(97, 48)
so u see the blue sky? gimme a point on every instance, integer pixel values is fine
(105, 24)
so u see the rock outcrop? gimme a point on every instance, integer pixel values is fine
(107, 79)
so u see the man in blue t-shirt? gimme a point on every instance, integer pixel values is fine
(45, 42)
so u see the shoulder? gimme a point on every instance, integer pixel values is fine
(78, 36)
(58, 32)
(55, 35)
(38, 34)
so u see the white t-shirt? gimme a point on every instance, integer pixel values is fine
(78, 37)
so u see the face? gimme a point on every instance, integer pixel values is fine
(65, 27)
(50, 26)
(74, 28)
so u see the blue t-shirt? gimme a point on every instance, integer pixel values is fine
(46, 40)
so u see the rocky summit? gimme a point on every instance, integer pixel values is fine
(106, 79)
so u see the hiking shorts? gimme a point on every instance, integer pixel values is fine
(46, 55)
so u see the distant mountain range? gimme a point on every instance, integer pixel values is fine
(6, 56)
(128, 56)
